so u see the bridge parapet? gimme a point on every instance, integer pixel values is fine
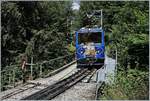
(13, 75)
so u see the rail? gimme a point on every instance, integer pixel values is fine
(18, 91)
(13, 76)
(100, 83)
(57, 88)
(99, 90)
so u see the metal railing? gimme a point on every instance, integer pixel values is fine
(13, 76)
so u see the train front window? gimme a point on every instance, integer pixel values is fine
(89, 37)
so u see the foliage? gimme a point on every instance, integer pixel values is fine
(133, 86)
(126, 27)
(38, 29)
(126, 23)
(34, 28)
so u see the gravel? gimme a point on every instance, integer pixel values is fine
(80, 91)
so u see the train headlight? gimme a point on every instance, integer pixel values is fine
(81, 51)
(98, 51)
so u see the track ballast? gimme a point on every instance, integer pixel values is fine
(59, 87)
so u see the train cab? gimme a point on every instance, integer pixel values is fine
(90, 48)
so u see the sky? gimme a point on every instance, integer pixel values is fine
(76, 5)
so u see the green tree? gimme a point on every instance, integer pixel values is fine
(126, 23)
(34, 28)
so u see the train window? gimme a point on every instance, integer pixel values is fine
(89, 37)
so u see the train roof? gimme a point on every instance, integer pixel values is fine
(90, 30)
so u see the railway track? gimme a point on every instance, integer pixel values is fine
(18, 91)
(87, 79)
(59, 87)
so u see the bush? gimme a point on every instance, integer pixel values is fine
(133, 86)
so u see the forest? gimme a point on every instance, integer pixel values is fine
(45, 30)
(37, 29)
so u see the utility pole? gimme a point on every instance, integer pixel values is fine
(71, 36)
(101, 18)
(98, 14)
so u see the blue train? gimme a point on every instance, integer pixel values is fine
(90, 47)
